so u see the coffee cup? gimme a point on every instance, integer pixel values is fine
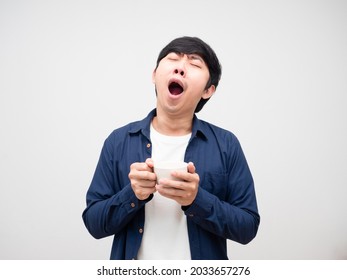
(165, 168)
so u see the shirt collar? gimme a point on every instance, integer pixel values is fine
(143, 126)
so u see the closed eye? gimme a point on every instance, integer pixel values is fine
(196, 61)
(173, 56)
(196, 65)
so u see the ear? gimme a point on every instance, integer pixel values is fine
(208, 92)
(153, 76)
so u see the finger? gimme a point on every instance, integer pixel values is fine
(142, 176)
(140, 166)
(170, 192)
(191, 167)
(183, 176)
(146, 183)
(146, 176)
(172, 184)
(149, 163)
(182, 197)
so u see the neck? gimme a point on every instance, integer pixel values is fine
(172, 125)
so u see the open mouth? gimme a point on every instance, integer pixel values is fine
(175, 88)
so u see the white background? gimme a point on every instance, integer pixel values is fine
(72, 71)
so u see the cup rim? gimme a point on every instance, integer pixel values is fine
(170, 165)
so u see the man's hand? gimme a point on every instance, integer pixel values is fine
(183, 191)
(142, 179)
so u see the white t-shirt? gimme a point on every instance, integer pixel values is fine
(165, 234)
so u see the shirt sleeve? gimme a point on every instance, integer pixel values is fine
(234, 216)
(110, 204)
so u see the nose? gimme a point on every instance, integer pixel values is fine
(180, 66)
(179, 71)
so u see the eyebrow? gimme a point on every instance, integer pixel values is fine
(191, 56)
(195, 57)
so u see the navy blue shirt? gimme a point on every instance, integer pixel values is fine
(225, 206)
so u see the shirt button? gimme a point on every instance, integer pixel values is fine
(148, 145)
(191, 215)
(140, 230)
(132, 204)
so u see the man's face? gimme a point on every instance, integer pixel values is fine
(180, 81)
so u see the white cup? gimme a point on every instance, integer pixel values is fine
(165, 168)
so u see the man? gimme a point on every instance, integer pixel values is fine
(188, 218)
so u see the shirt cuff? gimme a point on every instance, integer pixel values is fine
(130, 200)
(201, 206)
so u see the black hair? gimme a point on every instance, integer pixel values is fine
(194, 45)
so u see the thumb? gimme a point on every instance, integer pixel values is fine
(191, 167)
(149, 162)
